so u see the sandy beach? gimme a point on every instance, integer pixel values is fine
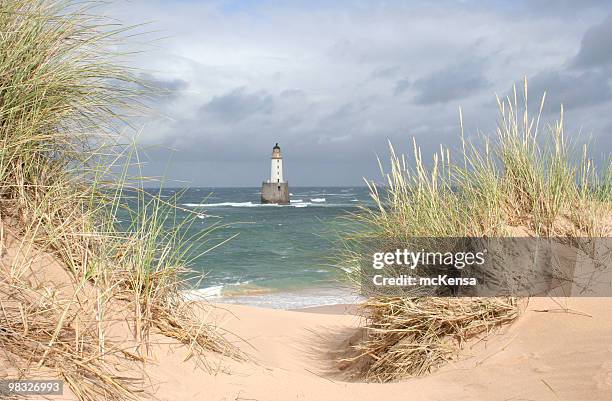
(547, 354)
(558, 349)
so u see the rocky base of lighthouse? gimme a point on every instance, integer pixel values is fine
(275, 192)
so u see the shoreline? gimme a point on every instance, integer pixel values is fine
(322, 297)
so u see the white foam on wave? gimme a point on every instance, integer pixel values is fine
(320, 202)
(317, 193)
(200, 294)
(212, 292)
(242, 282)
(232, 204)
(235, 204)
(293, 203)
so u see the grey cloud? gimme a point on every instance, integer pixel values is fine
(402, 86)
(596, 45)
(384, 72)
(453, 82)
(325, 88)
(293, 94)
(239, 104)
(583, 80)
(348, 110)
(164, 92)
(170, 85)
(568, 9)
(573, 90)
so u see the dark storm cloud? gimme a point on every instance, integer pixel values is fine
(596, 46)
(453, 82)
(583, 80)
(239, 104)
(572, 89)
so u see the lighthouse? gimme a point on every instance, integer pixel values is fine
(275, 189)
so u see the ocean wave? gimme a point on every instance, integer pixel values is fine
(296, 201)
(318, 202)
(320, 194)
(245, 282)
(214, 291)
(232, 204)
(235, 204)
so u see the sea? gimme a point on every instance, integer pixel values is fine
(273, 256)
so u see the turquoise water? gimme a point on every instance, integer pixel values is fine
(282, 256)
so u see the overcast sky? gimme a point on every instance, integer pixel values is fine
(333, 81)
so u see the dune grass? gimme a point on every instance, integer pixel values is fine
(409, 336)
(526, 180)
(65, 102)
(520, 177)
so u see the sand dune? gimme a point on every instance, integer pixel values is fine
(547, 354)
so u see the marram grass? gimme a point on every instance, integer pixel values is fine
(526, 180)
(65, 100)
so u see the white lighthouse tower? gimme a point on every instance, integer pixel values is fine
(275, 189)
(276, 173)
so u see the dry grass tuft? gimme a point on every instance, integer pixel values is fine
(412, 336)
(32, 336)
(49, 319)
